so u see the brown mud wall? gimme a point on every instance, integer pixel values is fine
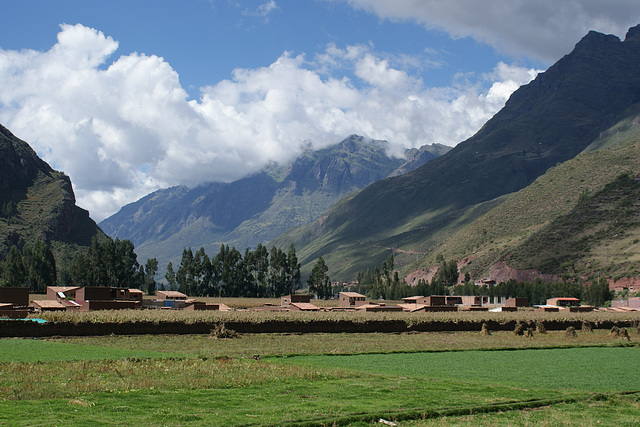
(20, 328)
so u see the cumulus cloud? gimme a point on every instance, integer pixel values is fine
(545, 29)
(123, 127)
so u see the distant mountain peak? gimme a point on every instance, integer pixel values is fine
(633, 34)
(256, 208)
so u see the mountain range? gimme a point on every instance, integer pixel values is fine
(547, 188)
(551, 120)
(257, 208)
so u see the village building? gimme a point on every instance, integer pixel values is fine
(204, 306)
(302, 306)
(58, 293)
(43, 305)
(631, 302)
(14, 302)
(517, 302)
(295, 298)
(17, 297)
(108, 298)
(170, 299)
(351, 299)
(415, 300)
(378, 307)
(563, 301)
(475, 300)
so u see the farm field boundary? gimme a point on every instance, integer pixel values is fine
(13, 328)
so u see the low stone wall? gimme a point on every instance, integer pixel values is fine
(17, 328)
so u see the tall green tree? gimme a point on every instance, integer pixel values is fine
(108, 262)
(293, 270)
(150, 270)
(318, 281)
(15, 274)
(184, 275)
(40, 266)
(170, 277)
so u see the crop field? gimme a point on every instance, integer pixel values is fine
(121, 316)
(457, 378)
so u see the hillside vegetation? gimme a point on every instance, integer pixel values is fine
(576, 194)
(38, 203)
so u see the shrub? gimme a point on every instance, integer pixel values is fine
(220, 331)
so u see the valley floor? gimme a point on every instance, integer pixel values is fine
(460, 378)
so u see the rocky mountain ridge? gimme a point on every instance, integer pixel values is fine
(257, 208)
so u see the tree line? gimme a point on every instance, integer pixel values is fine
(384, 283)
(33, 267)
(262, 273)
(107, 262)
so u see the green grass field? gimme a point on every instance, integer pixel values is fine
(320, 379)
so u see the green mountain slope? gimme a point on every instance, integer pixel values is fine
(37, 202)
(549, 121)
(561, 196)
(255, 209)
(600, 232)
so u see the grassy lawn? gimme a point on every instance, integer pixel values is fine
(319, 379)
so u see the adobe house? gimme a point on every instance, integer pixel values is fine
(94, 293)
(548, 309)
(563, 301)
(43, 305)
(352, 299)
(204, 306)
(17, 297)
(129, 294)
(301, 298)
(57, 293)
(302, 306)
(631, 302)
(108, 298)
(517, 302)
(417, 300)
(378, 307)
(171, 299)
(475, 300)
(14, 302)
(170, 295)
(453, 300)
(435, 300)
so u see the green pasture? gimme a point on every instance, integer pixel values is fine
(38, 350)
(319, 379)
(595, 369)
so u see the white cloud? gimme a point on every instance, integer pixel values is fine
(545, 29)
(125, 128)
(263, 10)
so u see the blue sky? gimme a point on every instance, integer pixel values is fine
(130, 96)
